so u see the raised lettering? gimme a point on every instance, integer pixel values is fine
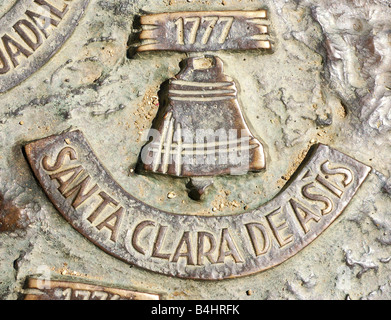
(32, 43)
(278, 229)
(328, 204)
(180, 31)
(68, 151)
(67, 294)
(8, 41)
(159, 243)
(232, 250)
(201, 253)
(195, 28)
(84, 294)
(47, 21)
(100, 295)
(263, 246)
(329, 186)
(107, 200)
(227, 28)
(82, 194)
(4, 63)
(307, 217)
(208, 31)
(140, 227)
(346, 173)
(184, 242)
(58, 13)
(64, 184)
(113, 223)
(196, 21)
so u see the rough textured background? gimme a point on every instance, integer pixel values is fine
(327, 81)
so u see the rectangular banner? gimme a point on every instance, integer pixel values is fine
(205, 31)
(66, 290)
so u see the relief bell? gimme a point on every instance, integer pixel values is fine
(200, 130)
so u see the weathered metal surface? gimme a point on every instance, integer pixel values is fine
(40, 289)
(200, 129)
(326, 81)
(189, 246)
(32, 31)
(205, 31)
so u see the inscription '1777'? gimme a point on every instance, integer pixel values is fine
(211, 23)
(38, 289)
(205, 31)
(192, 246)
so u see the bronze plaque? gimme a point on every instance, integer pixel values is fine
(205, 31)
(66, 290)
(189, 126)
(200, 133)
(189, 246)
(31, 32)
(219, 150)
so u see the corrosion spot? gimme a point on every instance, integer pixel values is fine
(10, 216)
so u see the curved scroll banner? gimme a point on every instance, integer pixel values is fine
(194, 247)
(31, 32)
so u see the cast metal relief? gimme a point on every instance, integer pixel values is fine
(205, 31)
(31, 32)
(199, 132)
(254, 159)
(192, 246)
(200, 129)
(39, 289)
